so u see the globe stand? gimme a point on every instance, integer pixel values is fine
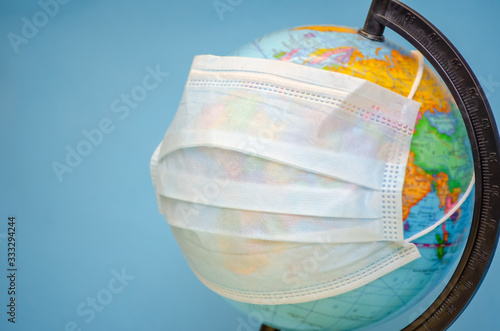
(483, 136)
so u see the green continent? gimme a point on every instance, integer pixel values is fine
(438, 152)
(280, 54)
(440, 250)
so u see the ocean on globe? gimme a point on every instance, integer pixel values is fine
(438, 172)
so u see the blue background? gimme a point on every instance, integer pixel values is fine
(102, 217)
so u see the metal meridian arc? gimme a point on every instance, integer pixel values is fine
(483, 136)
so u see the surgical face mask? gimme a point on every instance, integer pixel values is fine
(282, 183)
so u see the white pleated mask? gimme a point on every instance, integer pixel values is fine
(282, 183)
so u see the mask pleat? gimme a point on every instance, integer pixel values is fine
(282, 183)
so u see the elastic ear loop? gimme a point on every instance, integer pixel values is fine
(416, 83)
(420, 73)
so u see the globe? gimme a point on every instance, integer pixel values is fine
(438, 172)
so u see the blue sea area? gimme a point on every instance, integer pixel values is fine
(444, 123)
(423, 214)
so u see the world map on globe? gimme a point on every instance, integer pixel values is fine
(438, 172)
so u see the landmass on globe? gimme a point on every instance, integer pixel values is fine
(438, 172)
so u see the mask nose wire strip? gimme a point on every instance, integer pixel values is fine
(447, 215)
(420, 72)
